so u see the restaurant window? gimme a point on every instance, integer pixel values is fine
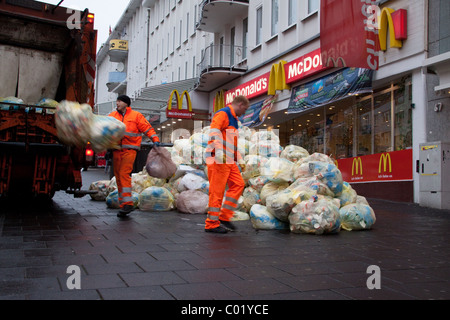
(403, 116)
(339, 129)
(382, 121)
(364, 126)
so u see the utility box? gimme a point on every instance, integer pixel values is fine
(434, 171)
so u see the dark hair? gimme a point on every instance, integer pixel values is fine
(125, 99)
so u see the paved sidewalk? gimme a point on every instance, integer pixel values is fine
(168, 256)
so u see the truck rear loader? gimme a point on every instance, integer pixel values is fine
(47, 53)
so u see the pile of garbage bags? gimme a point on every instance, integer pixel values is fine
(286, 188)
(14, 104)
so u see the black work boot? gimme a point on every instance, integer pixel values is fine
(219, 229)
(125, 211)
(228, 225)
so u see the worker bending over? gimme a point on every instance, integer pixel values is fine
(222, 157)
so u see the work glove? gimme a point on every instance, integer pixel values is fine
(157, 144)
(243, 167)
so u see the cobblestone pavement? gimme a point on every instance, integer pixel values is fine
(168, 256)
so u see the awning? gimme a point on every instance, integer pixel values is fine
(154, 99)
(333, 87)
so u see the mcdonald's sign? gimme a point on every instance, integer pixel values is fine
(219, 101)
(386, 160)
(357, 167)
(179, 112)
(277, 78)
(388, 166)
(397, 23)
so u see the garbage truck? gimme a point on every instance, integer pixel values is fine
(47, 54)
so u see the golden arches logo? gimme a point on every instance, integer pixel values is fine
(277, 78)
(385, 22)
(179, 100)
(357, 167)
(385, 159)
(335, 62)
(219, 101)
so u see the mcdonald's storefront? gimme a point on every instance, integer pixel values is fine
(366, 129)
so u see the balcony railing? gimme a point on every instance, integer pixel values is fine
(221, 64)
(214, 14)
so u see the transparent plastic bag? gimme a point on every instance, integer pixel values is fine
(319, 215)
(357, 216)
(156, 199)
(261, 218)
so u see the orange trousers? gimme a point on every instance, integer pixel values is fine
(123, 162)
(221, 175)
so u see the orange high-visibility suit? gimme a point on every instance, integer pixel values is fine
(221, 156)
(123, 159)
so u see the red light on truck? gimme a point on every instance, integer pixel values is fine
(90, 17)
(89, 152)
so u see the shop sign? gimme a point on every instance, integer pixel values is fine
(251, 89)
(388, 166)
(397, 23)
(349, 34)
(303, 67)
(333, 87)
(280, 75)
(179, 112)
(118, 44)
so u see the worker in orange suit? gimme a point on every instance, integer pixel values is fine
(124, 157)
(222, 159)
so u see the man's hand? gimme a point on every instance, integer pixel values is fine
(156, 144)
(243, 167)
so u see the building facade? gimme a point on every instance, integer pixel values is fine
(217, 49)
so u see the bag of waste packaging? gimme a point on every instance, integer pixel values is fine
(278, 170)
(106, 133)
(73, 123)
(102, 190)
(348, 194)
(240, 216)
(319, 215)
(156, 199)
(253, 165)
(313, 183)
(261, 218)
(199, 139)
(263, 136)
(281, 203)
(294, 153)
(193, 202)
(328, 173)
(258, 183)
(251, 197)
(112, 200)
(357, 216)
(49, 104)
(267, 149)
(317, 156)
(159, 163)
(17, 102)
(192, 181)
(271, 188)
